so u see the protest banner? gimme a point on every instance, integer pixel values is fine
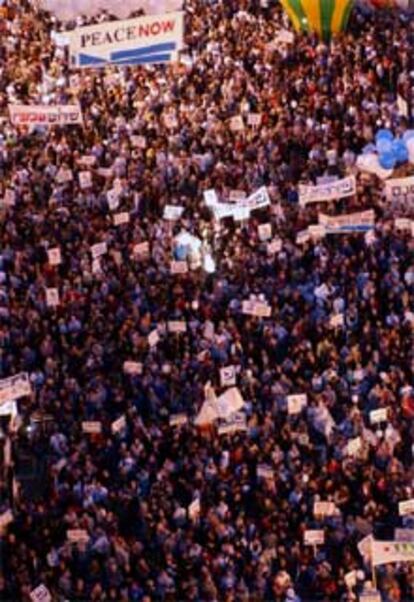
(237, 195)
(235, 423)
(327, 192)
(406, 507)
(228, 376)
(314, 537)
(54, 256)
(400, 191)
(13, 387)
(296, 403)
(404, 535)
(146, 40)
(361, 221)
(384, 552)
(45, 115)
(70, 9)
(403, 223)
(40, 594)
(317, 231)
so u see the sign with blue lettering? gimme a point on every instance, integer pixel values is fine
(142, 41)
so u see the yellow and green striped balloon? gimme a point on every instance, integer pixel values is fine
(322, 16)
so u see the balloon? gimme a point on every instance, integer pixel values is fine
(383, 135)
(387, 160)
(368, 149)
(325, 17)
(399, 151)
(384, 145)
(408, 135)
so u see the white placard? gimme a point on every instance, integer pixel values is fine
(400, 191)
(173, 212)
(13, 387)
(317, 231)
(296, 403)
(176, 326)
(264, 232)
(6, 518)
(210, 197)
(118, 425)
(139, 142)
(235, 423)
(52, 297)
(178, 267)
(91, 427)
(254, 119)
(194, 509)
(178, 419)
(64, 176)
(54, 256)
(228, 376)
(314, 537)
(141, 249)
(406, 507)
(85, 179)
(259, 309)
(99, 249)
(324, 509)
(337, 321)
(376, 416)
(40, 594)
(121, 218)
(404, 535)
(77, 536)
(132, 368)
(274, 246)
(153, 338)
(403, 223)
(87, 160)
(112, 198)
(354, 446)
(263, 471)
(237, 123)
(229, 402)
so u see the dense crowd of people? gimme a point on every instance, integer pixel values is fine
(160, 136)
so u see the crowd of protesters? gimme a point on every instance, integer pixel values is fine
(160, 136)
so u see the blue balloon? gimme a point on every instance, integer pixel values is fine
(399, 150)
(384, 135)
(387, 160)
(384, 145)
(408, 135)
(368, 149)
